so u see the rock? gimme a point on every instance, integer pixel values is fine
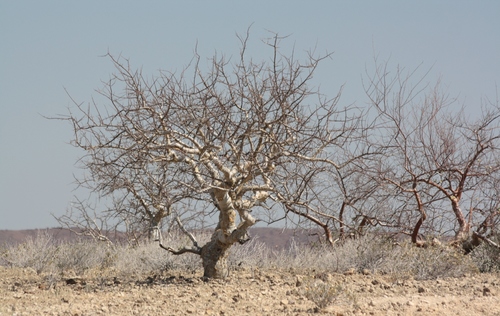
(325, 277)
(350, 271)
(75, 280)
(486, 291)
(298, 282)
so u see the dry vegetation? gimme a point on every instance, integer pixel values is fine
(374, 276)
(242, 141)
(232, 141)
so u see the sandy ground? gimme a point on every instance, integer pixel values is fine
(246, 292)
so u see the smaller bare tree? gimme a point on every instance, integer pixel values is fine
(437, 156)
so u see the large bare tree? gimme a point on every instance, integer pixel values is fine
(250, 140)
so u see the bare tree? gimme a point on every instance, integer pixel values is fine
(139, 192)
(247, 139)
(437, 158)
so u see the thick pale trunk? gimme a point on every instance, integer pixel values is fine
(214, 253)
(154, 229)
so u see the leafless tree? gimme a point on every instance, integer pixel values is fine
(249, 140)
(138, 192)
(438, 158)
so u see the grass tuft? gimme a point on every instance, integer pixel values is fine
(366, 254)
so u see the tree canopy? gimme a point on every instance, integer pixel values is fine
(256, 141)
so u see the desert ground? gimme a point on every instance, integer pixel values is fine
(246, 292)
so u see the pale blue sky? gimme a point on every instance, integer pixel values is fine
(49, 46)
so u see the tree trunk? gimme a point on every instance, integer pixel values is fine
(214, 254)
(341, 220)
(423, 217)
(214, 258)
(414, 234)
(464, 229)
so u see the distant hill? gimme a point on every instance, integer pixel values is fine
(281, 238)
(277, 238)
(12, 237)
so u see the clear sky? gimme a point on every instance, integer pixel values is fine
(49, 46)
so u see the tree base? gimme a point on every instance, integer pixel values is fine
(214, 257)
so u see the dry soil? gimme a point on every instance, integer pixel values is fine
(246, 292)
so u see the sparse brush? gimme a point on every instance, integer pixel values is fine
(147, 258)
(43, 254)
(487, 257)
(322, 293)
(363, 253)
(84, 255)
(428, 263)
(37, 253)
(253, 254)
(367, 253)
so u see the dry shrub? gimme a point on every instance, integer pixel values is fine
(367, 253)
(37, 253)
(382, 255)
(487, 257)
(322, 293)
(82, 256)
(363, 253)
(147, 258)
(254, 254)
(45, 255)
(428, 263)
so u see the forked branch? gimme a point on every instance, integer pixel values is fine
(196, 249)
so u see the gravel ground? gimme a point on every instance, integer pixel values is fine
(245, 292)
